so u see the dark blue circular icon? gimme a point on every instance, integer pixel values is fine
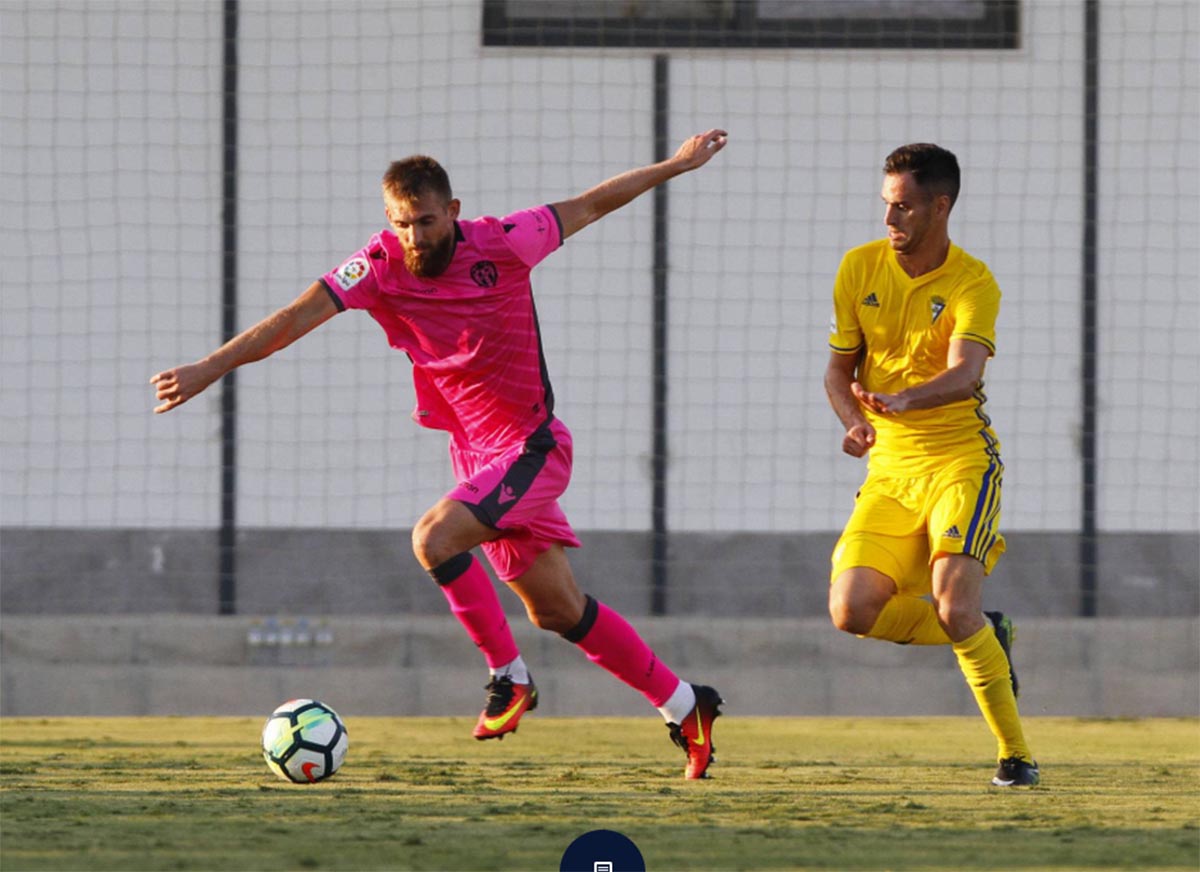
(602, 851)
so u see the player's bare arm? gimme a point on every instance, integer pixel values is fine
(839, 385)
(961, 377)
(278, 330)
(595, 203)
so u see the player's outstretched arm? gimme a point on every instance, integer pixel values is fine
(279, 330)
(595, 203)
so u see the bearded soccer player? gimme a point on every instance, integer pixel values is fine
(455, 296)
(914, 320)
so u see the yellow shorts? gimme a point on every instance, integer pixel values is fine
(900, 525)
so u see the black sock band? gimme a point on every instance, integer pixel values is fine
(444, 573)
(591, 609)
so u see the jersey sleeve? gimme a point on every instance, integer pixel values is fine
(845, 333)
(976, 311)
(532, 234)
(355, 284)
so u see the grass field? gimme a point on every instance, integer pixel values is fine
(419, 793)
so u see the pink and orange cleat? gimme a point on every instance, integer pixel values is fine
(506, 703)
(694, 735)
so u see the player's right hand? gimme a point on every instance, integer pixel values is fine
(858, 440)
(178, 385)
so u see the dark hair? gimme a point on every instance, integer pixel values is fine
(414, 176)
(933, 168)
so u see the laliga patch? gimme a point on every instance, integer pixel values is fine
(350, 273)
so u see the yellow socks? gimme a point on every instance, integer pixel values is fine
(909, 620)
(986, 669)
(912, 620)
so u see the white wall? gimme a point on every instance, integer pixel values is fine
(1149, 264)
(110, 252)
(109, 243)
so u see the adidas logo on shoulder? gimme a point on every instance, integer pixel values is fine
(871, 300)
(953, 532)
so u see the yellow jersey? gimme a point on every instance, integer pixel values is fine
(902, 327)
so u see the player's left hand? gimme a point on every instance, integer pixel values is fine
(696, 151)
(881, 404)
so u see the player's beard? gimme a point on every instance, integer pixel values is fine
(432, 261)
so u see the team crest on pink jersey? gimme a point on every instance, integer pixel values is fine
(350, 273)
(484, 274)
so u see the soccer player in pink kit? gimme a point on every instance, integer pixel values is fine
(455, 296)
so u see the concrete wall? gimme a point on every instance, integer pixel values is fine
(134, 665)
(373, 572)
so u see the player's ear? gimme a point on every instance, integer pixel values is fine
(452, 209)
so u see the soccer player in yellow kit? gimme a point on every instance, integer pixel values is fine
(914, 320)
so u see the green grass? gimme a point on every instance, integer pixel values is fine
(419, 793)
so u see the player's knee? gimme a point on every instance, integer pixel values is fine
(550, 619)
(959, 619)
(848, 615)
(428, 544)
(570, 614)
(420, 542)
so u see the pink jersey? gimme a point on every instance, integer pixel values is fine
(471, 332)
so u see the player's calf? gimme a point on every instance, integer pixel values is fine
(1006, 633)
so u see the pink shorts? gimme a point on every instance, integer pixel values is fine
(516, 492)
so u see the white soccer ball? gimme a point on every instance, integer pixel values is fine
(304, 741)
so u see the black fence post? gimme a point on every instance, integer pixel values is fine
(659, 557)
(227, 544)
(1090, 341)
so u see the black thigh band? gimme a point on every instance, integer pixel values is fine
(444, 573)
(590, 609)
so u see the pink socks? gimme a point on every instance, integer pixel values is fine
(474, 602)
(609, 641)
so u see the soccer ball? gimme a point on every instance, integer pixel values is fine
(304, 741)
